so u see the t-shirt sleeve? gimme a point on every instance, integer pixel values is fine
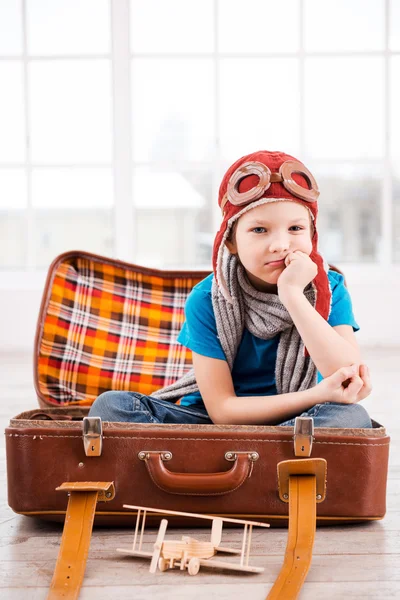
(199, 331)
(342, 309)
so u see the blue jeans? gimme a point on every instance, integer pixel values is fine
(134, 407)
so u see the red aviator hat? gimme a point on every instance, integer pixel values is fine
(260, 178)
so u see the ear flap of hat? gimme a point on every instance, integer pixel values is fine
(218, 251)
(321, 282)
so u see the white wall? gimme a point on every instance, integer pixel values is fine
(375, 292)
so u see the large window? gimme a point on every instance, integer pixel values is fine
(118, 119)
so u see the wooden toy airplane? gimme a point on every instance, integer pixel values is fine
(189, 553)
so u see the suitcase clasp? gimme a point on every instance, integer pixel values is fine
(303, 436)
(92, 436)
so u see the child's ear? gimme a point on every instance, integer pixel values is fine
(231, 246)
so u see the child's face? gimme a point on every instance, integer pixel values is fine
(268, 233)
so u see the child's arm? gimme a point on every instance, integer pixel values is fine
(328, 349)
(224, 407)
(216, 387)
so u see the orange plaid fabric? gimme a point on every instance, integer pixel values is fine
(107, 325)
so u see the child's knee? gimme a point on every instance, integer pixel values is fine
(359, 416)
(108, 404)
(104, 401)
(348, 415)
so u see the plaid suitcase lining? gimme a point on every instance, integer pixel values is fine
(110, 328)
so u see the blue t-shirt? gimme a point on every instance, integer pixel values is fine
(253, 372)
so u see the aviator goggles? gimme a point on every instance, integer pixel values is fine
(284, 176)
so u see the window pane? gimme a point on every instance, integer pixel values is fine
(394, 107)
(10, 27)
(73, 209)
(342, 25)
(394, 40)
(344, 109)
(71, 111)
(13, 195)
(12, 118)
(13, 201)
(173, 117)
(173, 217)
(396, 210)
(251, 117)
(172, 26)
(395, 150)
(258, 26)
(349, 218)
(72, 188)
(68, 26)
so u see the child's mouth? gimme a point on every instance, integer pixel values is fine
(276, 263)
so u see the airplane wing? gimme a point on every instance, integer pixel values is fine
(222, 564)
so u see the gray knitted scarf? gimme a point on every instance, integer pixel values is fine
(265, 316)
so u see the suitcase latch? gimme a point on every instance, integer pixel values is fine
(92, 436)
(303, 436)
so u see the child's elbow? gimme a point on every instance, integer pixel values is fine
(220, 411)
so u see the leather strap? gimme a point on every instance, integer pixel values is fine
(302, 525)
(75, 541)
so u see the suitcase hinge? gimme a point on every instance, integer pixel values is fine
(92, 436)
(303, 436)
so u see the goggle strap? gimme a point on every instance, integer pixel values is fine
(223, 202)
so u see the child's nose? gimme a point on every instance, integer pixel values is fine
(279, 244)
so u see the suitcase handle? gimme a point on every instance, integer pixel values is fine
(200, 484)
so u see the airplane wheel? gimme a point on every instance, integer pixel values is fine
(193, 566)
(162, 564)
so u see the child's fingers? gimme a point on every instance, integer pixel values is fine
(296, 255)
(367, 387)
(343, 374)
(353, 389)
(289, 258)
(364, 374)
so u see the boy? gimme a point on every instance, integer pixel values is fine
(269, 323)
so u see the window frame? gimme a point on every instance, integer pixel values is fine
(123, 164)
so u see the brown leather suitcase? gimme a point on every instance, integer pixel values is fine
(226, 470)
(105, 324)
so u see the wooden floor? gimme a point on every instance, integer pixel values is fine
(361, 561)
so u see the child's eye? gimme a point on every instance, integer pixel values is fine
(258, 229)
(298, 228)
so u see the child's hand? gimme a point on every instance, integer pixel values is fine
(299, 271)
(331, 389)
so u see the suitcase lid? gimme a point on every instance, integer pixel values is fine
(106, 325)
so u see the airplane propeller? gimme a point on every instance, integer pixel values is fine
(158, 545)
